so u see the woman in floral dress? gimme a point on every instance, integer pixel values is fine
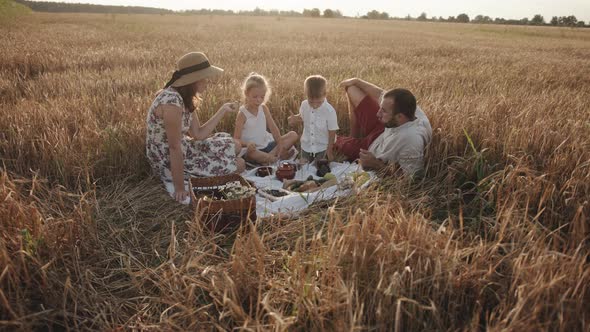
(178, 146)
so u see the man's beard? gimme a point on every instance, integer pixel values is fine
(390, 124)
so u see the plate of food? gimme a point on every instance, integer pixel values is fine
(273, 194)
(310, 184)
(264, 171)
(355, 180)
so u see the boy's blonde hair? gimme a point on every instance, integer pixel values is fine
(315, 86)
(255, 80)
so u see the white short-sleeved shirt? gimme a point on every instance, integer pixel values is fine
(255, 128)
(316, 124)
(404, 144)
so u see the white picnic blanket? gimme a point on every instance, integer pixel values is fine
(295, 203)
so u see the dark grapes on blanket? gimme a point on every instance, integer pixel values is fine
(323, 170)
(276, 193)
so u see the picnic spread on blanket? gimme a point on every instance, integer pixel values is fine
(288, 188)
(292, 196)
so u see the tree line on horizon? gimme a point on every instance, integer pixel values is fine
(64, 7)
(539, 20)
(568, 21)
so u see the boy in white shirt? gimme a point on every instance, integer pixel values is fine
(319, 121)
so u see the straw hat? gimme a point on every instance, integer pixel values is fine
(192, 67)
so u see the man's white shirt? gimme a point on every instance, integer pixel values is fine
(404, 144)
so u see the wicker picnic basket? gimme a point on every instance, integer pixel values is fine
(221, 215)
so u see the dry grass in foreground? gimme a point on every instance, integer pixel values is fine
(495, 237)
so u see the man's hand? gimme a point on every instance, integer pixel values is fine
(330, 155)
(369, 161)
(349, 82)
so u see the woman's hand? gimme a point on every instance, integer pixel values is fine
(348, 83)
(201, 132)
(229, 107)
(181, 196)
(294, 120)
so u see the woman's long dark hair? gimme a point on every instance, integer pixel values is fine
(189, 96)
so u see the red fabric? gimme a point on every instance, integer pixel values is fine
(367, 125)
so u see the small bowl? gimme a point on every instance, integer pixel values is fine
(286, 171)
(293, 163)
(264, 171)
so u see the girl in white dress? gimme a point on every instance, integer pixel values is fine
(254, 121)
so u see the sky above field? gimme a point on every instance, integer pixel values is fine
(493, 8)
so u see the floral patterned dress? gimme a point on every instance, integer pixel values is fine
(213, 156)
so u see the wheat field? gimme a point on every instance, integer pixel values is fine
(495, 237)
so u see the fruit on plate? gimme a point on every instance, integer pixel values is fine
(329, 176)
(360, 178)
(309, 185)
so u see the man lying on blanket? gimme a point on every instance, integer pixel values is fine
(392, 133)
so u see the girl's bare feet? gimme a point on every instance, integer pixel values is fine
(241, 165)
(289, 154)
